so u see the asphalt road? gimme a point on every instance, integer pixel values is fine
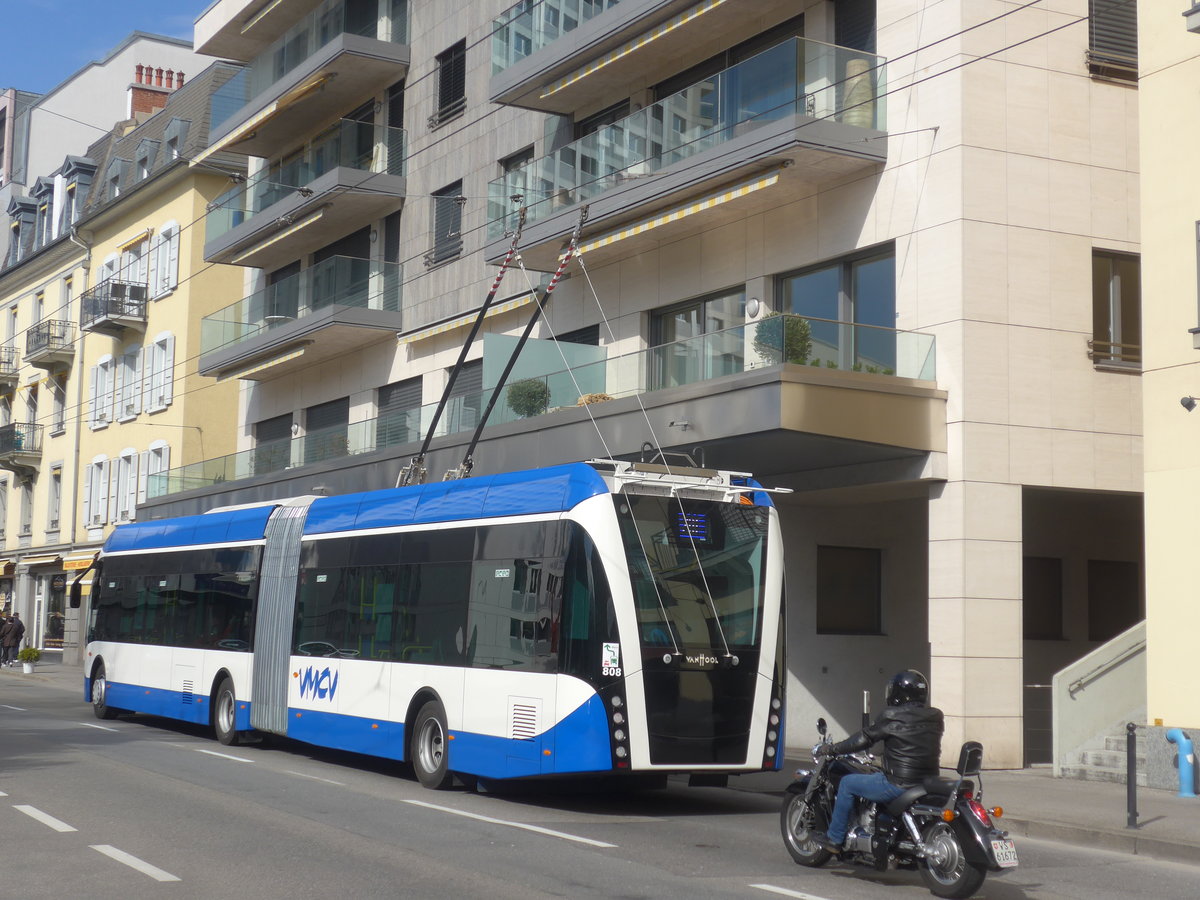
(140, 807)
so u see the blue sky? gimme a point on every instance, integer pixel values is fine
(48, 40)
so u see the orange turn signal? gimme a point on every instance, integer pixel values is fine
(997, 811)
(948, 815)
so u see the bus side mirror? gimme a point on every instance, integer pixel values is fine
(76, 595)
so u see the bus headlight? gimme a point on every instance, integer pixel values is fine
(618, 718)
(621, 752)
(619, 734)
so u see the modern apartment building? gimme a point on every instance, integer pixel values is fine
(884, 255)
(102, 299)
(1169, 35)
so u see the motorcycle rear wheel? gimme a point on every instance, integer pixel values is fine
(798, 819)
(945, 869)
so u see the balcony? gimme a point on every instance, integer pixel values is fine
(840, 380)
(791, 118)
(327, 310)
(10, 375)
(563, 56)
(351, 173)
(50, 344)
(320, 66)
(21, 448)
(113, 307)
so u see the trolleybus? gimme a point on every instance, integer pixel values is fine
(592, 618)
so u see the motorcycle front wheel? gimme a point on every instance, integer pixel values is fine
(945, 869)
(798, 819)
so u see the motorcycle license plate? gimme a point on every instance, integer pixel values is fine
(1005, 852)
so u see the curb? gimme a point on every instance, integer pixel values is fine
(1131, 842)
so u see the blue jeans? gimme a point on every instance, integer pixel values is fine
(873, 787)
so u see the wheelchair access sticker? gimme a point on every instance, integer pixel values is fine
(610, 659)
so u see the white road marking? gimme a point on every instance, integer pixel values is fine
(535, 828)
(799, 895)
(34, 813)
(17, 708)
(2, 794)
(223, 755)
(314, 778)
(93, 725)
(134, 863)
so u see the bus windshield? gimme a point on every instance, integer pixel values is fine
(697, 569)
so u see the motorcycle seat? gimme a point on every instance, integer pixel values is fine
(935, 787)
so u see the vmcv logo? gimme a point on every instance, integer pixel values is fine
(318, 684)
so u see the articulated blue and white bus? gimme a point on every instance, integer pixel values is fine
(593, 618)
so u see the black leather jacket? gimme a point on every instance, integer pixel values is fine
(912, 742)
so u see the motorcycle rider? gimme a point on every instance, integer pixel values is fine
(911, 732)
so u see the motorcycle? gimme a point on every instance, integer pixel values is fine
(939, 827)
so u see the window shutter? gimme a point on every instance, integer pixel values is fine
(1112, 34)
(165, 456)
(118, 391)
(87, 496)
(143, 476)
(93, 400)
(148, 369)
(152, 268)
(168, 369)
(109, 483)
(131, 487)
(133, 391)
(172, 279)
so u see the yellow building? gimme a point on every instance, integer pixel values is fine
(103, 297)
(1170, 68)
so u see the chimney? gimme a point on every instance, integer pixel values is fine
(150, 89)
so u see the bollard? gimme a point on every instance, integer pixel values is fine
(1131, 775)
(1187, 762)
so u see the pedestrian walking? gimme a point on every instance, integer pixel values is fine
(10, 639)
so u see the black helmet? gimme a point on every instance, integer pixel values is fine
(909, 686)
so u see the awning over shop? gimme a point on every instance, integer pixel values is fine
(73, 563)
(40, 560)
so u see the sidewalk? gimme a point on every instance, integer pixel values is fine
(1036, 805)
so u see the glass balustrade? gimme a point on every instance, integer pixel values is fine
(384, 20)
(530, 25)
(789, 339)
(337, 281)
(798, 76)
(361, 146)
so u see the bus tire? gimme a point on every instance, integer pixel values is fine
(225, 713)
(429, 747)
(100, 695)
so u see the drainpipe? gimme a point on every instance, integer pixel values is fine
(81, 636)
(1187, 762)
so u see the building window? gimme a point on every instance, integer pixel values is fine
(26, 509)
(3, 508)
(515, 183)
(125, 488)
(273, 444)
(166, 260)
(850, 307)
(692, 341)
(42, 234)
(128, 389)
(55, 500)
(1042, 598)
(447, 224)
(69, 213)
(58, 394)
(100, 392)
(1116, 310)
(152, 477)
(1112, 38)
(398, 416)
(451, 84)
(466, 402)
(849, 590)
(135, 262)
(325, 430)
(95, 492)
(159, 369)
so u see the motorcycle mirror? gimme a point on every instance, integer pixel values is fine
(821, 727)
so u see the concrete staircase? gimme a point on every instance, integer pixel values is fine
(1103, 759)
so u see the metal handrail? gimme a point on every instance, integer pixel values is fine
(1077, 685)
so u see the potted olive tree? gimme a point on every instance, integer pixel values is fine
(529, 397)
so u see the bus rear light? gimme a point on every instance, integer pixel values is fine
(770, 751)
(774, 720)
(616, 701)
(618, 718)
(621, 752)
(772, 736)
(775, 704)
(619, 735)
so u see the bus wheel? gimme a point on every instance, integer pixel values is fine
(224, 713)
(428, 749)
(100, 695)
